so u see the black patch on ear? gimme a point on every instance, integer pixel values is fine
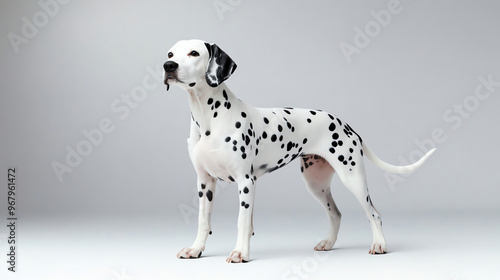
(220, 66)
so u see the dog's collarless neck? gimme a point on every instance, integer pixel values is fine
(208, 105)
(198, 97)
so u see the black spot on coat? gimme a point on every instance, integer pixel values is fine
(209, 195)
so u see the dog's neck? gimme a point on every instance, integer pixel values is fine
(210, 104)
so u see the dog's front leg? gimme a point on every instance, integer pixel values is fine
(206, 193)
(246, 189)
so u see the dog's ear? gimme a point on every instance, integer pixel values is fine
(220, 66)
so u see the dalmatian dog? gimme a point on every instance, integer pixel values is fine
(235, 142)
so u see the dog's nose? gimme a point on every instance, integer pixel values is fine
(170, 66)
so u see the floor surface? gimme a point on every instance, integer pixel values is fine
(426, 246)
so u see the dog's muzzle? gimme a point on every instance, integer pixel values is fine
(170, 67)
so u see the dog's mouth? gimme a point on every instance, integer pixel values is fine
(174, 79)
(169, 78)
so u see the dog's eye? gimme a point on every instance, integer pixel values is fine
(194, 53)
(170, 54)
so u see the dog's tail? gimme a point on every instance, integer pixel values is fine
(393, 168)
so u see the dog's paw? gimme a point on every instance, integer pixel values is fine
(237, 257)
(324, 245)
(378, 248)
(190, 253)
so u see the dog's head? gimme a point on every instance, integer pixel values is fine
(196, 63)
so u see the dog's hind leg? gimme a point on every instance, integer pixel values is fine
(317, 174)
(354, 178)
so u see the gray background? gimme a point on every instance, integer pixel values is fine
(396, 91)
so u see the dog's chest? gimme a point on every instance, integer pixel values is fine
(210, 155)
(222, 136)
